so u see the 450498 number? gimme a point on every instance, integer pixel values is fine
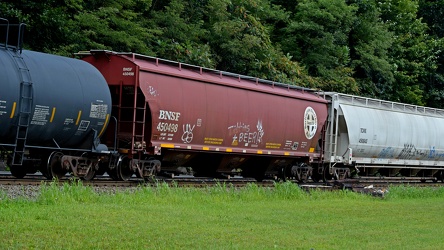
(167, 127)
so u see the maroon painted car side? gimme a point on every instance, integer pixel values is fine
(176, 110)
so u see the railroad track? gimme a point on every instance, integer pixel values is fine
(37, 179)
(363, 185)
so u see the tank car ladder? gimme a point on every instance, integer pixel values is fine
(24, 108)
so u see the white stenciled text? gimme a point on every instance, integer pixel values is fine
(169, 115)
(128, 71)
(167, 127)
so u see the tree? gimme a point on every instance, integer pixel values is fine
(64, 27)
(432, 13)
(410, 52)
(182, 37)
(46, 22)
(117, 25)
(317, 36)
(241, 40)
(370, 41)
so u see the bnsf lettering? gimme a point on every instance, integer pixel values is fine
(169, 115)
(128, 72)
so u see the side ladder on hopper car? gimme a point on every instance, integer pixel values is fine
(131, 113)
(131, 136)
(331, 144)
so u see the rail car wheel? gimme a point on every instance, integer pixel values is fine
(18, 171)
(438, 177)
(124, 171)
(43, 168)
(55, 165)
(327, 175)
(90, 174)
(316, 176)
(283, 173)
(111, 168)
(113, 174)
(102, 168)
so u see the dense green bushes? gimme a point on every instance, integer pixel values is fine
(389, 49)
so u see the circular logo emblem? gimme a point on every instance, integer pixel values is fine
(310, 122)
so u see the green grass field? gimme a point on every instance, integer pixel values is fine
(284, 217)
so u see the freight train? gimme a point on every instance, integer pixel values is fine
(130, 114)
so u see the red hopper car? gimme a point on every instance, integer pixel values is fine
(203, 122)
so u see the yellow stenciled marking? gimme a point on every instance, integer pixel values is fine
(14, 105)
(312, 150)
(52, 115)
(206, 148)
(104, 125)
(123, 151)
(259, 152)
(167, 145)
(78, 117)
(286, 153)
(229, 150)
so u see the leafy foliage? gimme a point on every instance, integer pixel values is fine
(370, 41)
(431, 12)
(317, 35)
(390, 49)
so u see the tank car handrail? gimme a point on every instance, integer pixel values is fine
(20, 32)
(200, 69)
(7, 31)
